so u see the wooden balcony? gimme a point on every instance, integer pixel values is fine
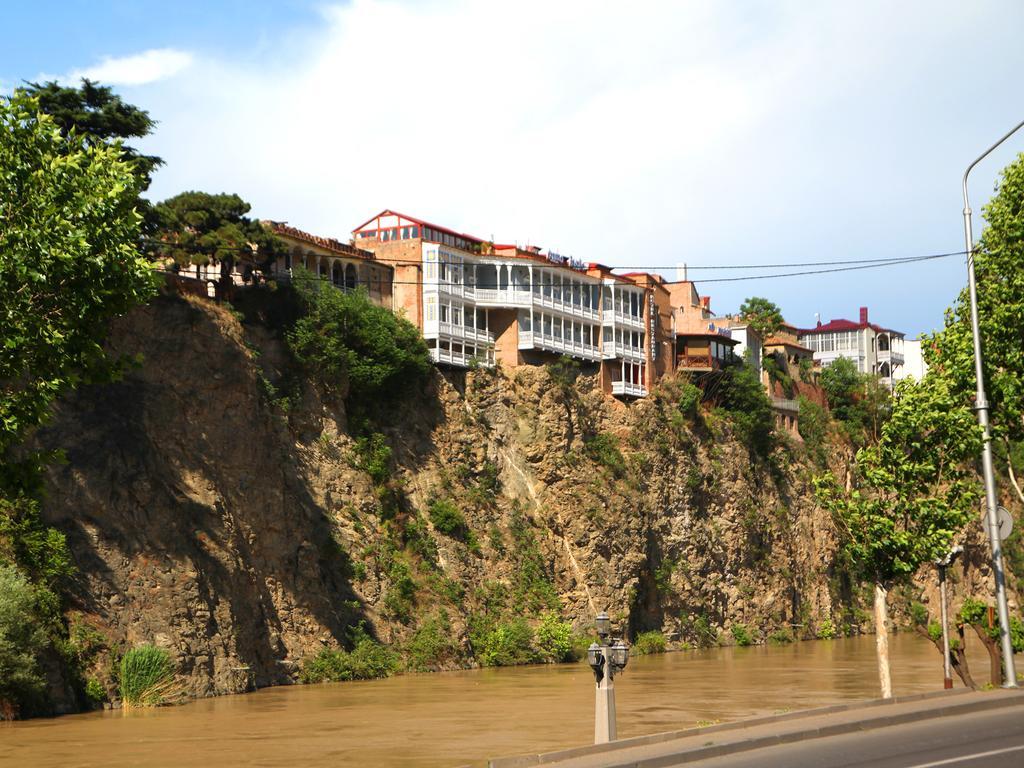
(698, 363)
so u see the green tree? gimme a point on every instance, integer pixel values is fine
(21, 641)
(344, 337)
(98, 116)
(1000, 282)
(743, 396)
(68, 261)
(762, 315)
(915, 490)
(858, 400)
(200, 228)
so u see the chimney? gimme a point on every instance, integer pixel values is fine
(681, 272)
(817, 319)
(863, 315)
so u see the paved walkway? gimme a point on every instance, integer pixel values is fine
(680, 747)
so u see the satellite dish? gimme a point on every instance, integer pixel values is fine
(1004, 521)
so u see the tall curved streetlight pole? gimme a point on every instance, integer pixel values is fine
(982, 407)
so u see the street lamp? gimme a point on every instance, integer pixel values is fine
(607, 658)
(943, 564)
(982, 407)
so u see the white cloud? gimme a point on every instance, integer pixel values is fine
(138, 69)
(702, 131)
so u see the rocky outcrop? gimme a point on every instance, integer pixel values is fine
(237, 529)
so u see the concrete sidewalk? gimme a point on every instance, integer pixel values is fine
(677, 747)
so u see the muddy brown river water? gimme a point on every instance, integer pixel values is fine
(455, 718)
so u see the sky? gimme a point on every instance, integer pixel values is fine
(641, 135)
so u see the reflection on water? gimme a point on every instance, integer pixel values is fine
(460, 717)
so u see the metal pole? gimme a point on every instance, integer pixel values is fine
(947, 670)
(982, 407)
(604, 706)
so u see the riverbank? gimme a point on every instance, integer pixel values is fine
(454, 718)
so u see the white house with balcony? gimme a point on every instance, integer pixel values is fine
(475, 301)
(874, 349)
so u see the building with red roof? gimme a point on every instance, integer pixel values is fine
(874, 349)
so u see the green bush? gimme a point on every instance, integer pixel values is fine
(504, 643)
(749, 408)
(367, 660)
(147, 677)
(781, 636)
(741, 634)
(373, 456)
(402, 593)
(690, 396)
(649, 642)
(343, 336)
(431, 645)
(826, 629)
(447, 518)
(533, 588)
(21, 641)
(603, 448)
(554, 639)
(698, 630)
(812, 423)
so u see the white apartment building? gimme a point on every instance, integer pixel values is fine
(875, 350)
(480, 303)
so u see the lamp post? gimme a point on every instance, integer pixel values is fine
(982, 407)
(943, 564)
(607, 658)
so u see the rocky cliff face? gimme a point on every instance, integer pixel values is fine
(244, 536)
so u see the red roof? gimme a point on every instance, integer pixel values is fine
(329, 243)
(421, 222)
(841, 325)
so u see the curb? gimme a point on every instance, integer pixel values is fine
(743, 745)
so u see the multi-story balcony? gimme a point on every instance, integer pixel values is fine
(467, 333)
(628, 389)
(503, 297)
(459, 290)
(462, 359)
(528, 340)
(610, 316)
(893, 358)
(613, 349)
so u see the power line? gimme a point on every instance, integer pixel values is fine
(528, 286)
(195, 248)
(874, 265)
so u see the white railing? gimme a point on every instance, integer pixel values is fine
(610, 316)
(786, 404)
(459, 290)
(466, 332)
(461, 358)
(504, 297)
(613, 349)
(529, 340)
(628, 389)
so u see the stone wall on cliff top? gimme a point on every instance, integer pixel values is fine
(242, 537)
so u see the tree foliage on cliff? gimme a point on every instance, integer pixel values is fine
(857, 400)
(915, 489)
(68, 260)
(195, 227)
(999, 257)
(764, 316)
(349, 344)
(99, 116)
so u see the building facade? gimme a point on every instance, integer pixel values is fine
(481, 303)
(874, 349)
